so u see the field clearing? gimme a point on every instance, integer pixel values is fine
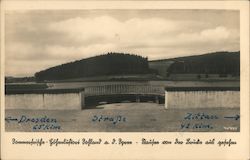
(134, 117)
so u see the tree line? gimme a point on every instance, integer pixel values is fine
(106, 64)
(213, 63)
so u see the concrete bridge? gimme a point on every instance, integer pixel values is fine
(91, 96)
(123, 89)
(86, 97)
(94, 95)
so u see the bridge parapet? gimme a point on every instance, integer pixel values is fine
(79, 98)
(124, 89)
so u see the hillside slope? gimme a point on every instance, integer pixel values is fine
(213, 63)
(221, 63)
(108, 64)
(111, 64)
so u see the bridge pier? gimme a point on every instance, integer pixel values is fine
(82, 99)
(137, 98)
(157, 100)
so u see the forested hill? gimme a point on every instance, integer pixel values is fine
(108, 64)
(212, 63)
(221, 63)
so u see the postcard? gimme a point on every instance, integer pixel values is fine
(124, 80)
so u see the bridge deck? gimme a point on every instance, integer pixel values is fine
(124, 89)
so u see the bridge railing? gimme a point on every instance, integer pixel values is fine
(124, 89)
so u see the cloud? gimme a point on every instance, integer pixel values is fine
(219, 35)
(216, 34)
(134, 32)
(42, 45)
(106, 29)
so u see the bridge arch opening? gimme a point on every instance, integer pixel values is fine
(93, 101)
(121, 93)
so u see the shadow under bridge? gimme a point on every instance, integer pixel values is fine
(118, 93)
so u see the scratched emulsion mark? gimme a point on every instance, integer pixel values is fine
(43, 123)
(203, 120)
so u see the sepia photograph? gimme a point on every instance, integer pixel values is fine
(154, 70)
(124, 79)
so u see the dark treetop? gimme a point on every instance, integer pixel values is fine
(108, 64)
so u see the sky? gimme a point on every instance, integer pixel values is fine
(38, 39)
